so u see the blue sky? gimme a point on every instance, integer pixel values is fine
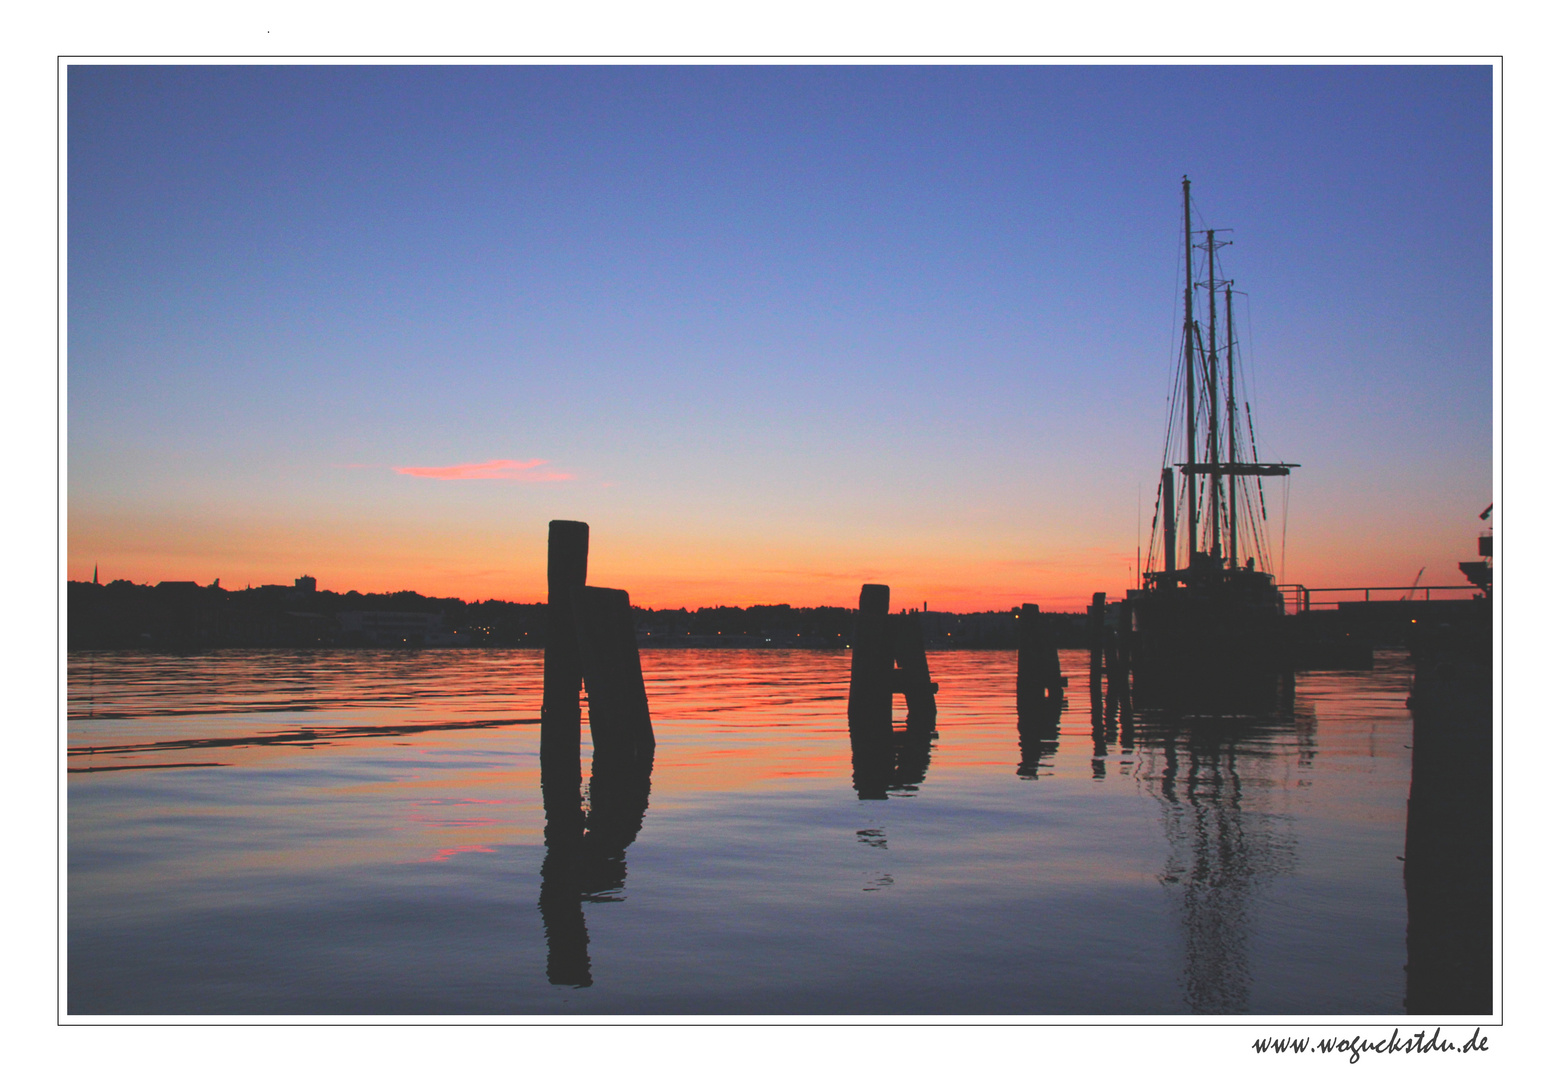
(784, 329)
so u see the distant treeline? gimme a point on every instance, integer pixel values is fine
(181, 615)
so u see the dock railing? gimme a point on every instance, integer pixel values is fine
(1298, 598)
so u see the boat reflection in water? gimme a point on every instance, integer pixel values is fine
(1227, 841)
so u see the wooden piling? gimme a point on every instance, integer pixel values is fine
(1118, 659)
(1040, 679)
(614, 681)
(871, 707)
(1096, 636)
(912, 677)
(568, 544)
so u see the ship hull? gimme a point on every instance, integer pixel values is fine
(1218, 643)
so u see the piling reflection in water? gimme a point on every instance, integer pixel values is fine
(894, 761)
(1040, 688)
(586, 858)
(1110, 699)
(1039, 738)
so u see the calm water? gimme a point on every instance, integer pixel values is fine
(294, 848)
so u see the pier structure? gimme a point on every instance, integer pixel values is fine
(1040, 679)
(888, 657)
(590, 642)
(568, 547)
(912, 677)
(1096, 638)
(614, 680)
(1040, 692)
(871, 703)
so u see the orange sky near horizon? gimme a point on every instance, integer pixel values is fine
(948, 570)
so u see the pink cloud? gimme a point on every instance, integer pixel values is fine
(497, 469)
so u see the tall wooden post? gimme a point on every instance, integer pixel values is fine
(1229, 363)
(1121, 672)
(1096, 636)
(1040, 679)
(1188, 329)
(568, 544)
(871, 708)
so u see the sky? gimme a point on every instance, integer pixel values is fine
(773, 332)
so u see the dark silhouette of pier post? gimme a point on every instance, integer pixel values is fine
(1040, 686)
(871, 705)
(568, 957)
(912, 677)
(590, 640)
(1448, 856)
(568, 544)
(1096, 637)
(614, 681)
(882, 759)
(1040, 681)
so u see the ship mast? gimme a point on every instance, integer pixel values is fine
(1215, 489)
(1191, 386)
(1229, 390)
(1223, 455)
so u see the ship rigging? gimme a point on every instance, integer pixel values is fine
(1220, 496)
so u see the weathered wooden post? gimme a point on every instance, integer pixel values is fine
(912, 677)
(1118, 661)
(568, 544)
(590, 639)
(871, 707)
(1096, 637)
(1040, 680)
(614, 681)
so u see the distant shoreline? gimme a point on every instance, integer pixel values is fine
(722, 643)
(184, 617)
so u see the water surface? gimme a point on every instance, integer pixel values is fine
(361, 832)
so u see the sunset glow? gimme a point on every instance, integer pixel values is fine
(772, 332)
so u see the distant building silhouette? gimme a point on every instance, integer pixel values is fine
(304, 584)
